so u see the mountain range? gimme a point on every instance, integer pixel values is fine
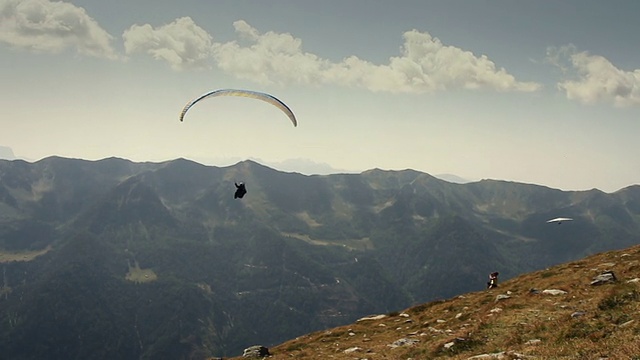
(116, 259)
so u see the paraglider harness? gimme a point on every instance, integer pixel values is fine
(240, 191)
(493, 280)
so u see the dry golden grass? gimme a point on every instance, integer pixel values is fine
(588, 322)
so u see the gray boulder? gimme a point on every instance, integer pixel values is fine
(255, 352)
(604, 278)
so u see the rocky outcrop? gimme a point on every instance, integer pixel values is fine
(604, 278)
(256, 352)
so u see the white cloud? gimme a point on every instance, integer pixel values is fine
(596, 78)
(52, 26)
(182, 43)
(269, 58)
(277, 58)
(424, 65)
(427, 65)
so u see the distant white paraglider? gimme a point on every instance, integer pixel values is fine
(559, 220)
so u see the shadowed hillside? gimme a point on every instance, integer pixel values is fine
(570, 311)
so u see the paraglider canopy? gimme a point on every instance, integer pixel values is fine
(559, 220)
(245, 93)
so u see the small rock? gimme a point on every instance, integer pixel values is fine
(578, 314)
(352, 349)
(450, 344)
(374, 317)
(501, 355)
(498, 355)
(605, 277)
(403, 342)
(553, 292)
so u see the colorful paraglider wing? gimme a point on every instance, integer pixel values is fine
(246, 93)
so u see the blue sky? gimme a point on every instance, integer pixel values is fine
(543, 92)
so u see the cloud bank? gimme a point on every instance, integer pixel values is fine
(594, 78)
(425, 64)
(182, 43)
(46, 26)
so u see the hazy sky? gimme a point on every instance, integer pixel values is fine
(544, 92)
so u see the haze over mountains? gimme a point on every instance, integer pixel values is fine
(131, 260)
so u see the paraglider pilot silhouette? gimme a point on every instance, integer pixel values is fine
(240, 190)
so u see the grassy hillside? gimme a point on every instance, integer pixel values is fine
(556, 313)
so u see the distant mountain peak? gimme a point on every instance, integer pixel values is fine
(6, 153)
(453, 178)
